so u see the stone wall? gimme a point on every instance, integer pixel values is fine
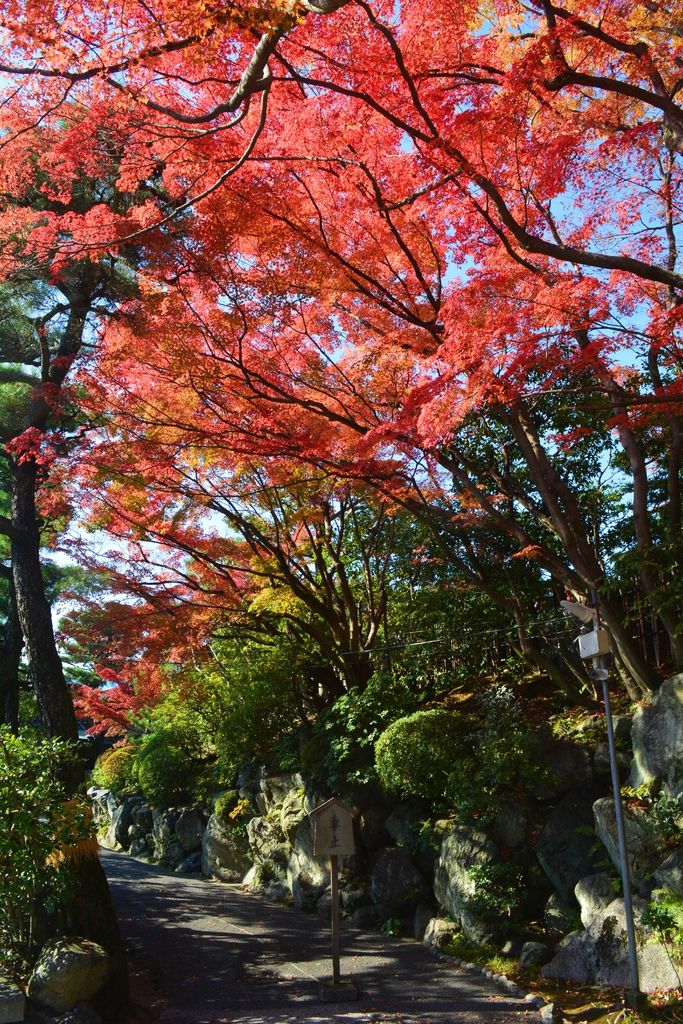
(561, 840)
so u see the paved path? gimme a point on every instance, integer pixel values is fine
(216, 954)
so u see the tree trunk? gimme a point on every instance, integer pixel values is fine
(56, 709)
(89, 911)
(10, 656)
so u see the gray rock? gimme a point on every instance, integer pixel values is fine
(571, 960)
(293, 813)
(138, 847)
(353, 897)
(302, 862)
(68, 971)
(277, 891)
(669, 875)
(600, 953)
(189, 829)
(439, 932)
(163, 830)
(454, 887)
(305, 891)
(657, 736)
(142, 817)
(601, 759)
(190, 865)
(365, 918)
(513, 947)
(403, 823)
(82, 1013)
(121, 822)
(594, 893)
(264, 837)
(559, 919)
(533, 953)
(565, 843)
(622, 725)
(272, 790)
(173, 855)
(12, 1002)
(225, 852)
(549, 1013)
(421, 918)
(568, 764)
(641, 846)
(510, 826)
(396, 885)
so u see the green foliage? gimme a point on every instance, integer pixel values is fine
(415, 754)
(498, 760)
(500, 891)
(232, 810)
(664, 915)
(115, 769)
(342, 746)
(165, 773)
(37, 821)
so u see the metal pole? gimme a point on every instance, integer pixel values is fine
(602, 672)
(334, 893)
(621, 834)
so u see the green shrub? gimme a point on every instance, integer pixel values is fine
(38, 820)
(226, 805)
(165, 772)
(114, 769)
(415, 754)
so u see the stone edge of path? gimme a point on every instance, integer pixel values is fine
(550, 1013)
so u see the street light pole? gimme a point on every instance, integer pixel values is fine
(594, 645)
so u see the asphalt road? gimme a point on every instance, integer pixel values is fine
(209, 953)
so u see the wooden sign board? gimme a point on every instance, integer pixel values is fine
(332, 829)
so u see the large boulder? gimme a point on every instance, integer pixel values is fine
(657, 736)
(594, 893)
(189, 829)
(225, 852)
(307, 877)
(163, 831)
(264, 837)
(396, 884)
(599, 955)
(403, 824)
(669, 875)
(511, 826)
(293, 813)
(142, 818)
(439, 932)
(272, 789)
(567, 765)
(455, 886)
(121, 822)
(68, 971)
(565, 844)
(641, 845)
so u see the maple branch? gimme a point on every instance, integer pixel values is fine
(400, 64)
(565, 253)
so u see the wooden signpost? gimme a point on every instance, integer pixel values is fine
(333, 838)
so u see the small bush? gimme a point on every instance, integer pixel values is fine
(38, 825)
(114, 769)
(415, 754)
(226, 805)
(165, 773)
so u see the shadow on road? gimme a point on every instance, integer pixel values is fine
(214, 952)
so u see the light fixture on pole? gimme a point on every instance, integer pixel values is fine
(594, 644)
